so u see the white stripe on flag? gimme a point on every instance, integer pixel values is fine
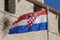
(39, 19)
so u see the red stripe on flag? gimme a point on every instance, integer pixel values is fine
(42, 12)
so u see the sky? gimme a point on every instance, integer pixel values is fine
(53, 3)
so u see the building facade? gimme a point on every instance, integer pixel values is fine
(17, 8)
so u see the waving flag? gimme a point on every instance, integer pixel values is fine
(34, 21)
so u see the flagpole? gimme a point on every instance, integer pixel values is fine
(47, 21)
(47, 24)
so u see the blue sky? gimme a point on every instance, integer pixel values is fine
(53, 3)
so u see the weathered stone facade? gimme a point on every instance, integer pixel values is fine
(23, 7)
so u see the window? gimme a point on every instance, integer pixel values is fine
(37, 8)
(10, 6)
(6, 5)
(19, 0)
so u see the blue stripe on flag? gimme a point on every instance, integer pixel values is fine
(26, 28)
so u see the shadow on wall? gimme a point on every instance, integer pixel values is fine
(59, 24)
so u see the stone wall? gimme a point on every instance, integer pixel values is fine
(23, 7)
(1, 16)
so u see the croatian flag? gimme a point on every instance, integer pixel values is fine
(30, 22)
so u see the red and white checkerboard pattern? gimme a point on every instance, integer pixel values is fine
(31, 20)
